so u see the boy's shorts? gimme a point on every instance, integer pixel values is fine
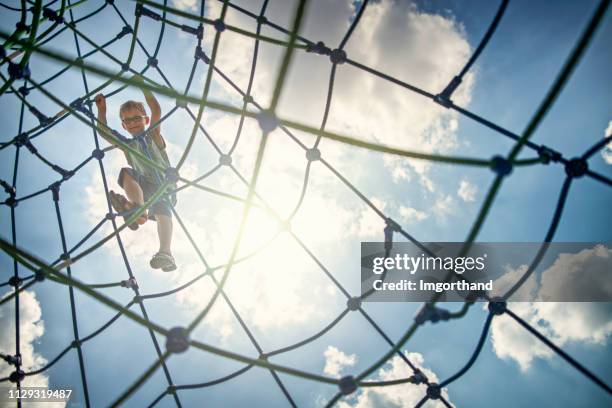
(149, 188)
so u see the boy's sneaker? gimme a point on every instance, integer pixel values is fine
(121, 205)
(163, 261)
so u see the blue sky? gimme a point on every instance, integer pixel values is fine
(282, 294)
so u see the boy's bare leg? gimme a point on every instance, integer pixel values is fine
(133, 190)
(164, 231)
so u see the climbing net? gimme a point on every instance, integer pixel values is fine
(28, 39)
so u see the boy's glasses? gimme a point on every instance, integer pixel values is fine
(133, 119)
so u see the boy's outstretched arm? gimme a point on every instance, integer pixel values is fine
(155, 115)
(101, 105)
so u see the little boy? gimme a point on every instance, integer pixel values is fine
(140, 181)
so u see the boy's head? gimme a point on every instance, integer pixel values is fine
(133, 117)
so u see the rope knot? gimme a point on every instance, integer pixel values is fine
(347, 385)
(177, 340)
(576, 168)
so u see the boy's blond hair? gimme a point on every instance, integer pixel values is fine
(132, 105)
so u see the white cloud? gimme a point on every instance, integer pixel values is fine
(406, 395)
(31, 329)
(444, 207)
(513, 342)
(394, 37)
(369, 224)
(510, 276)
(467, 191)
(185, 5)
(509, 340)
(607, 150)
(563, 322)
(336, 361)
(410, 214)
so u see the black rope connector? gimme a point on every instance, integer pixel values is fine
(248, 99)
(11, 202)
(46, 121)
(225, 160)
(171, 389)
(547, 154)
(313, 154)
(17, 376)
(66, 174)
(137, 299)
(110, 216)
(15, 281)
(98, 154)
(111, 2)
(388, 231)
(391, 223)
(21, 139)
(31, 147)
(8, 189)
(418, 377)
(143, 11)
(338, 56)
(52, 15)
(353, 303)
(191, 30)
(318, 48)
(576, 167)
(13, 360)
(219, 25)
(263, 357)
(200, 54)
(129, 283)
(42, 118)
(443, 98)
(267, 121)
(76, 343)
(16, 71)
(390, 228)
(125, 31)
(501, 166)
(39, 275)
(21, 26)
(262, 20)
(429, 313)
(23, 90)
(172, 175)
(497, 306)
(55, 190)
(125, 67)
(434, 391)
(64, 257)
(77, 104)
(177, 340)
(152, 62)
(347, 385)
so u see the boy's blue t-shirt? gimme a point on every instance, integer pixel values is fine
(147, 147)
